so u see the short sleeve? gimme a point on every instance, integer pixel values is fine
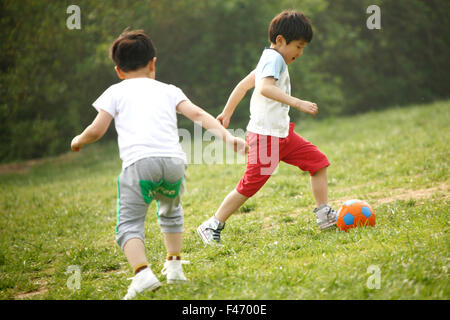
(106, 102)
(272, 65)
(177, 95)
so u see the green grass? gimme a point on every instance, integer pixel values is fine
(62, 213)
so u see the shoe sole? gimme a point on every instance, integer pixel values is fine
(328, 226)
(176, 281)
(153, 287)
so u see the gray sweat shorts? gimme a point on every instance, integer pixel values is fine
(148, 179)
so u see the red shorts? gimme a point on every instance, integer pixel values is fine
(266, 152)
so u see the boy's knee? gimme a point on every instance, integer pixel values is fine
(319, 171)
(170, 219)
(172, 228)
(123, 237)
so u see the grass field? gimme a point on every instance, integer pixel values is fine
(61, 212)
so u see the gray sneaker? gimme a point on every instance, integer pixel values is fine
(210, 230)
(326, 217)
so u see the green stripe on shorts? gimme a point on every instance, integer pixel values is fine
(118, 205)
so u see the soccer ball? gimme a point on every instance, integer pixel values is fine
(355, 213)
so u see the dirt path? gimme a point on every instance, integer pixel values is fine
(441, 190)
(25, 166)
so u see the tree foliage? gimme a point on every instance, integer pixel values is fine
(50, 75)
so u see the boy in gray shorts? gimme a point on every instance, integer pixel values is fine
(153, 162)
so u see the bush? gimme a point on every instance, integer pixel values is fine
(50, 75)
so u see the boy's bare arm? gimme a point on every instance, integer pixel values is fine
(268, 89)
(93, 132)
(236, 96)
(207, 121)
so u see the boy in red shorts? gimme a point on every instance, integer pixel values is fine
(270, 135)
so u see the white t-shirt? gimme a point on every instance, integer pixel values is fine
(267, 116)
(144, 112)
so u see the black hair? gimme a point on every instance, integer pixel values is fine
(292, 25)
(132, 50)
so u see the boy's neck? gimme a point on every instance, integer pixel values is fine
(274, 47)
(139, 74)
(145, 72)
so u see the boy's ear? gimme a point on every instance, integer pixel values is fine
(152, 64)
(119, 73)
(280, 40)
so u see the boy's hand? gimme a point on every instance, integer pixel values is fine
(93, 132)
(224, 119)
(75, 145)
(307, 107)
(239, 145)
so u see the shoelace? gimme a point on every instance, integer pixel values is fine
(332, 212)
(164, 270)
(216, 234)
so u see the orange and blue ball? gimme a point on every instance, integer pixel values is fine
(355, 213)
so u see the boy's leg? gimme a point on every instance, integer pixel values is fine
(252, 181)
(134, 250)
(232, 202)
(319, 186)
(263, 159)
(131, 213)
(171, 220)
(210, 230)
(173, 242)
(326, 216)
(307, 157)
(144, 278)
(173, 268)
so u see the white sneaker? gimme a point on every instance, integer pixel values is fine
(210, 231)
(326, 217)
(144, 280)
(173, 269)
